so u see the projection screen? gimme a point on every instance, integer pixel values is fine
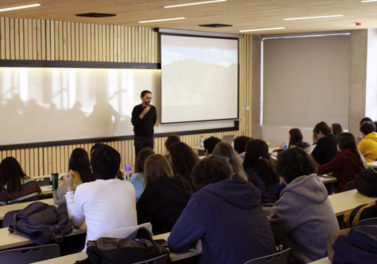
(199, 78)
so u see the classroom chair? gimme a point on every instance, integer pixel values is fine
(30, 254)
(275, 258)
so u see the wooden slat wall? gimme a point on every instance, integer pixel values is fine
(32, 39)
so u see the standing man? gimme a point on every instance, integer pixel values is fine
(144, 118)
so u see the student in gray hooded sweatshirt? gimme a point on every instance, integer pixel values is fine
(303, 217)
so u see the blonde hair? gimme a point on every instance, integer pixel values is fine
(224, 149)
(156, 166)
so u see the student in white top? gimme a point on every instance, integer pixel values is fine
(105, 204)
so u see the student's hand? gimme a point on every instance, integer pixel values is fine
(68, 178)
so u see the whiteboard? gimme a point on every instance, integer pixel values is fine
(58, 104)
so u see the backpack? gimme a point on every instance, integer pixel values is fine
(359, 246)
(40, 222)
(138, 246)
(366, 182)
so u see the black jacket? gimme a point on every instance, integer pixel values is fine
(325, 149)
(144, 127)
(162, 203)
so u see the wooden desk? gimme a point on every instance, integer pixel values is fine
(321, 261)
(82, 255)
(372, 164)
(345, 201)
(327, 179)
(17, 206)
(11, 240)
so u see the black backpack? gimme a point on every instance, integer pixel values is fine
(40, 222)
(137, 247)
(366, 182)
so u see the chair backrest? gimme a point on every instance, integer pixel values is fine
(163, 259)
(30, 254)
(275, 258)
(125, 231)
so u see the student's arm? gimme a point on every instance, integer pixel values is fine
(333, 165)
(74, 207)
(188, 229)
(283, 218)
(317, 153)
(362, 146)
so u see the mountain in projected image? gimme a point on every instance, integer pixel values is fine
(193, 82)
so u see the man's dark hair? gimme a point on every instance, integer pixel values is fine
(211, 170)
(365, 119)
(367, 127)
(105, 162)
(293, 163)
(322, 127)
(143, 93)
(141, 158)
(210, 144)
(240, 144)
(172, 139)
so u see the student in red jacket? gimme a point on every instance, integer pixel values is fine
(346, 164)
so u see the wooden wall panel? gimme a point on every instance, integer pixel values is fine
(32, 39)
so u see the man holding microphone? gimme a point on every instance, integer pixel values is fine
(144, 118)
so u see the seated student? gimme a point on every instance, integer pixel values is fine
(326, 146)
(164, 196)
(210, 144)
(14, 184)
(137, 179)
(260, 170)
(303, 217)
(172, 139)
(105, 204)
(336, 129)
(182, 159)
(368, 144)
(240, 145)
(79, 166)
(375, 124)
(225, 150)
(225, 214)
(296, 140)
(346, 164)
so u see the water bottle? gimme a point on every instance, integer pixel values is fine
(201, 142)
(128, 170)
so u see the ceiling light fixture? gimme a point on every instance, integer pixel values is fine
(261, 29)
(18, 7)
(195, 3)
(161, 20)
(313, 17)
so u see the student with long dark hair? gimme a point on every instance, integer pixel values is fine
(79, 166)
(346, 164)
(183, 159)
(14, 184)
(137, 179)
(225, 214)
(303, 217)
(164, 197)
(260, 170)
(325, 149)
(296, 139)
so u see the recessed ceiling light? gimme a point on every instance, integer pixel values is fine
(195, 3)
(18, 7)
(367, 1)
(261, 29)
(313, 17)
(161, 20)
